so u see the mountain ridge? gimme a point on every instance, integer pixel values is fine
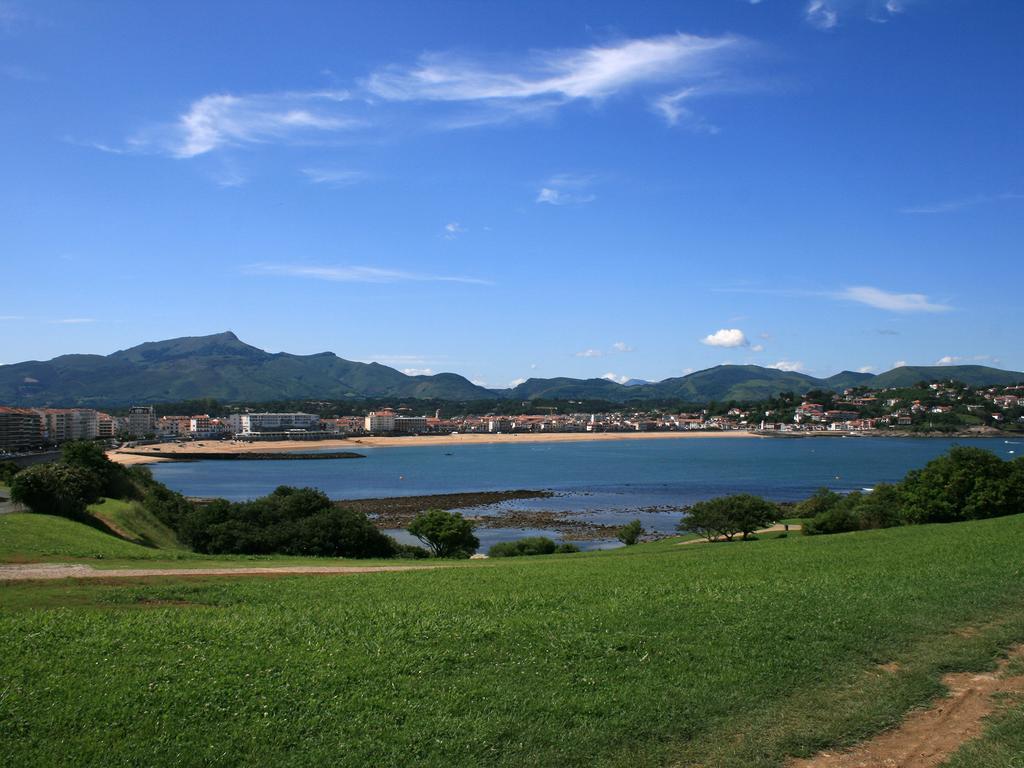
(223, 367)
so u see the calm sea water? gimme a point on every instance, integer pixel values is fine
(607, 482)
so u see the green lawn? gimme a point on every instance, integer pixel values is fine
(720, 654)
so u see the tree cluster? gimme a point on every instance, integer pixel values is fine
(290, 521)
(964, 484)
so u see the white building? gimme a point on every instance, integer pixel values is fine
(274, 422)
(380, 421)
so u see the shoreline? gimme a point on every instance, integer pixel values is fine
(196, 451)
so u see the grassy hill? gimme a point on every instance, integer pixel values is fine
(131, 521)
(707, 654)
(218, 366)
(26, 537)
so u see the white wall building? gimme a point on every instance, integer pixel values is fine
(274, 422)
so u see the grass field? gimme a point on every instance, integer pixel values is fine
(709, 654)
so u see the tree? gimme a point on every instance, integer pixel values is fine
(56, 489)
(630, 533)
(727, 516)
(750, 513)
(446, 534)
(964, 484)
(114, 479)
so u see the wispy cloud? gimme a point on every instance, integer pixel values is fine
(418, 371)
(894, 302)
(357, 274)
(593, 73)
(826, 14)
(11, 317)
(516, 382)
(334, 177)
(957, 360)
(453, 229)
(866, 369)
(74, 320)
(861, 294)
(949, 206)
(228, 120)
(673, 107)
(617, 348)
(728, 338)
(567, 189)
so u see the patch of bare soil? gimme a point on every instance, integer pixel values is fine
(40, 571)
(927, 737)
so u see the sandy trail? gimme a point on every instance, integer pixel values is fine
(46, 571)
(928, 737)
(777, 528)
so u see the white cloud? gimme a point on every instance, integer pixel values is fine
(590, 353)
(616, 378)
(787, 365)
(672, 106)
(757, 348)
(621, 346)
(11, 317)
(866, 369)
(687, 371)
(948, 206)
(357, 274)
(726, 337)
(566, 189)
(515, 383)
(894, 302)
(452, 230)
(74, 320)
(418, 371)
(559, 76)
(478, 382)
(900, 364)
(334, 177)
(223, 119)
(821, 14)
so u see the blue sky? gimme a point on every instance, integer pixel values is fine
(518, 189)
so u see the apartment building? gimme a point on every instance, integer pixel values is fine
(20, 429)
(141, 421)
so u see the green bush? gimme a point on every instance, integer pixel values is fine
(56, 489)
(115, 480)
(567, 548)
(630, 533)
(8, 469)
(529, 545)
(446, 534)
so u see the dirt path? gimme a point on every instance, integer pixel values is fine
(927, 737)
(44, 571)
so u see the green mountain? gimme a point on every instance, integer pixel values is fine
(972, 375)
(222, 367)
(219, 366)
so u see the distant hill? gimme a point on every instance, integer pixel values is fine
(225, 368)
(219, 366)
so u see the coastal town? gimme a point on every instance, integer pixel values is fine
(935, 407)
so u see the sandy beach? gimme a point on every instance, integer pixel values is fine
(149, 454)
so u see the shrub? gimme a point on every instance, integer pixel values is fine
(446, 534)
(114, 479)
(8, 469)
(530, 545)
(56, 489)
(567, 548)
(840, 517)
(630, 533)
